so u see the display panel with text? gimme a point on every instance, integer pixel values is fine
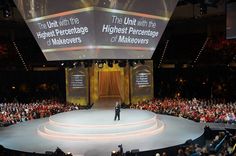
(142, 82)
(97, 29)
(77, 85)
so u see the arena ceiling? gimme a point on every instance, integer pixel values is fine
(193, 23)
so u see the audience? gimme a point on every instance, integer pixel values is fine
(222, 145)
(197, 110)
(12, 113)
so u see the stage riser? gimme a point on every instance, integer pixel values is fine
(115, 129)
(107, 137)
(84, 136)
(76, 130)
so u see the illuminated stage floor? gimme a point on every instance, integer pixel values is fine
(95, 133)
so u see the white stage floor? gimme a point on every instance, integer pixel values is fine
(95, 133)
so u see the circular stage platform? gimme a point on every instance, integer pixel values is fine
(99, 125)
(94, 132)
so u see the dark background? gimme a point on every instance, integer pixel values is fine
(188, 67)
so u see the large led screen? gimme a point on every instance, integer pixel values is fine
(97, 29)
(231, 19)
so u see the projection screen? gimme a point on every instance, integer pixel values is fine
(96, 29)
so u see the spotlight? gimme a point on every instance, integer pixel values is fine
(75, 64)
(6, 12)
(203, 8)
(69, 154)
(100, 64)
(131, 63)
(62, 64)
(114, 153)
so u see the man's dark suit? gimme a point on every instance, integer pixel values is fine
(117, 112)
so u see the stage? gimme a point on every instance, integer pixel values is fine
(95, 133)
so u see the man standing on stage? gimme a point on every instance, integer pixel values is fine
(117, 111)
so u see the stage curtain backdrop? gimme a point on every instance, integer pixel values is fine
(109, 83)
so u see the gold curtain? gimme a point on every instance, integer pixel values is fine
(109, 83)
